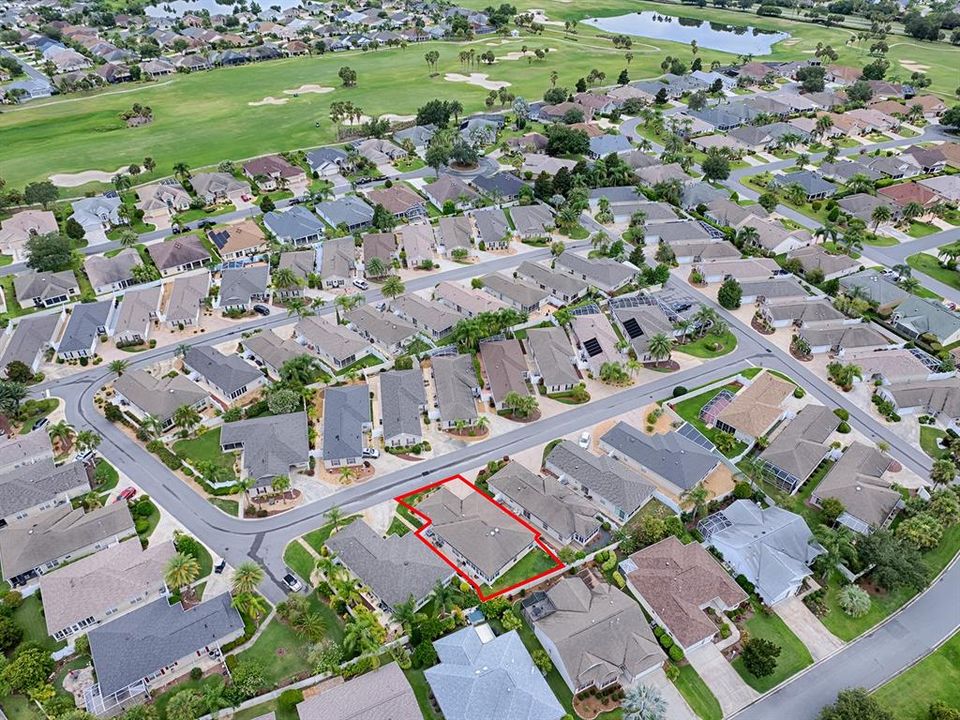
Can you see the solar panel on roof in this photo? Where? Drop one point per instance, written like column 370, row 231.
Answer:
column 592, row 347
column 633, row 328
column 691, row 433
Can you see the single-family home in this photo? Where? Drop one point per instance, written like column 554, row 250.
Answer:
column 756, row 408
column 432, row 318
column 30, row 339
column 455, row 235
column 501, row 186
column 467, row 301
column 229, row 375
column 457, row 389
column 327, row 161
column 939, row 398
column 139, row 309
column 348, row 212
column 346, row 416
column 493, row 230
column 450, row 188
column 402, row 402
column 876, row 288
column 814, row 259
column 596, row 339
column 97, row 215
column 843, row 338
column 857, row 480
column 45, row 289
column 270, row 446
column 399, row 200
column 532, row 221
column 524, row 297
column 30, row 481
column 241, row 287
column 604, row 274
column 109, row 274
column 416, row 242
column 778, row 289
column 161, row 201
column 87, row 323
column 814, row 186
column 244, row 239
column 181, row 254
column 272, row 172
column 337, row 345
column 270, row 351
column 384, row 329
column 295, row 225
column 382, row 693
column 798, row 449
column 918, row 317
column 158, row 397
column 563, row 287
column 23, row 225
column 553, row 359
column 187, row 296
column 505, row 368
column 218, row 188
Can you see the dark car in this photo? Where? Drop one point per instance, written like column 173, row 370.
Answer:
column 219, row 567
column 261, row 310
column 41, row 423
column 205, row 224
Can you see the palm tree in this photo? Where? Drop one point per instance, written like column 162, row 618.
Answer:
column 247, row 578
column 88, row 440
column 659, row 347
column 335, row 518
column 62, row 432
column 838, row 548
column 118, row 366
column 181, row 170
column 375, row 267
column 181, row 571
column 11, row 395
column 313, row 625
column 911, row 211
column 281, row 483
column 285, row 279
column 91, row 501
column 860, row 183
column 392, row 287
column 747, row 235
column 128, row 238
column 443, row 596
column 151, row 427
column 826, row 233
column 363, row 634
column 405, row 614
column 298, row 307
column 696, row 498
column 186, row 417
column 880, row 215
column 346, row 474
column 250, row 604
column 346, row 303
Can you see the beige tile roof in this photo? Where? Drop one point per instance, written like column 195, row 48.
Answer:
column 757, row 407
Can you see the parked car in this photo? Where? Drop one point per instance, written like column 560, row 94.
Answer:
column 85, row 457
column 42, row 422
column 261, row 310
column 585, row 439
column 219, row 567
column 362, row 284
column 126, row 494
column 371, row 452
column 291, row 581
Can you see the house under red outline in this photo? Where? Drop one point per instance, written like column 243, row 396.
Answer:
column 401, row 499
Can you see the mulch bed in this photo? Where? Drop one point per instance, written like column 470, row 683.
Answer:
column 465, row 433
column 532, row 417
column 760, row 328
column 801, row 358
column 589, row 707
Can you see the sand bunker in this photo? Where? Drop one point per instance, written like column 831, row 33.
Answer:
column 913, row 66
column 358, row 121
column 269, row 100
column 517, row 55
column 318, row 89
column 478, row 79
column 87, row 176
column 391, row 117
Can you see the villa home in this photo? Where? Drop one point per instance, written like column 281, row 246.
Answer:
column 87, row 324
column 457, row 391
column 181, row 254
column 30, row 339
column 553, row 357
column 295, row 225
column 144, row 395
column 450, row 188
column 272, row 172
column 857, row 480
column 187, row 296
column 270, row 446
column 399, row 200
column 161, row 201
column 505, row 368
column 229, row 375
column 417, row 244
column 402, row 402
column 45, row 289
column 346, row 416
column 337, row 345
column 108, row 274
column 245, row 239
column 455, row 234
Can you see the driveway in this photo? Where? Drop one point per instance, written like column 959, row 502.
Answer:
column 677, row 708
column 806, row 626
column 729, row 688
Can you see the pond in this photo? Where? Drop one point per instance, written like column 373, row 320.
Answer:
column 178, row 8
column 736, row 39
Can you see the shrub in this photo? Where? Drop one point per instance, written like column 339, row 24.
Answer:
column 679, row 390
column 841, row 413
column 854, row 601
column 843, row 427
column 618, row 579
column 196, row 673
column 675, row 653
column 113, row 413
column 799, row 392
column 424, row 655
column 289, row 699
column 742, row 491
column 666, row 642
column 672, row 672
column 748, row 587
column 760, row 656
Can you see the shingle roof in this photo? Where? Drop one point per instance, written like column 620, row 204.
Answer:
column 938, row 397
column 561, row 283
column 272, row 349
column 349, row 210
column 158, row 396
column 239, row 285
column 505, row 366
column 272, row 444
column 798, row 448
column 383, row 694
column 433, row 316
column 603, row 272
column 754, row 409
column 226, row 372
column 36, row 483
column 138, row 308
column 672, row 456
column 141, row 642
column 531, row 219
column 455, row 380
column 923, row 316
column 336, row 341
column 84, row 325
column 857, row 481
column 602, row 475
column 551, row 350
column 401, row 397
column 515, row 290
column 492, row 224
column 383, row 327
column 345, row 410
column 31, row 334
column 185, row 297
column 395, row 568
column 179, row 251
column 103, row 271
column 43, row 285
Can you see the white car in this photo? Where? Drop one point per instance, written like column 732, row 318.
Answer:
column 361, row 284
column 585, row 439
column 370, row 452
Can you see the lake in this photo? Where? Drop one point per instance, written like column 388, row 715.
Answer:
column 736, row 39
column 178, row 8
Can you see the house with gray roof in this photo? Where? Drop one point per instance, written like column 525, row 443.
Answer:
column 450, row 188
column 640, row 323
column 616, row 488
column 229, row 375
column 383, row 247
column 545, row 503
column 862, row 206
column 779, row 288
column 432, row 318
column 506, row 369
column 457, row 390
column 45, row 289
column 602, row 273
column 158, row 397
column 270, row 446
column 799, row 448
column 553, row 357
column 493, row 230
column 857, row 480
column 21, row 450
column 98, row 214
column 41, row 542
column 103, row 587
column 180, row 254
column 940, row 398
column 349, row 211
column 563, row 287
column 346, row 415
column 482, row 676
column 402, row 401
column 455, row 233
column 108, row 274
column 813, row 312
column 522, row 296
column 840, row 339
column 337, row 345
column 294, row 225
column 29, row 487
column 88, row 321
column 814, row 186
column 501, row 186
column 138, row 311
column 727, row 212
column 700, row 193
column 303, row 264
column 670, row 460
column 473, row 532
column 814, row 258
column 30, row 338
column 187, row 296
column 772, row 547
column 395, row 568
column 337, row 262
column 419, row 135
column 154, row 645
column 596, row 635
column 845, row 170
column 384, row 329
column 875, row 288
column 270, row 351
column 678, row 232
column 532, row 221
column 327, row 160
column 918, row 317
column 218, row 187
column 603, row 145
column 383, row 694
column 241, row 287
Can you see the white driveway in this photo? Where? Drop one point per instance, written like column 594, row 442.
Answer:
column 806, row 626
column 677, row 708
column 729, row 688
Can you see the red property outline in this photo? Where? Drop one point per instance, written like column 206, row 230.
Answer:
column 427, row 522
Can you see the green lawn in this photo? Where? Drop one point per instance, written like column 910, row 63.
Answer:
column 299, row 559
column 364, row 362
column 794, row 656
column 29, row 617
column 928, row 265
column 533, row 563
column 316, row 538
column 697, row 694
column 161, row 701
column 398, row 527
column 879, row 240
column 33, row 410
column 230, row 507
column 111, row 475
column 204, row 448
column 919, row 229
column 690, row 408
column 702, row 347
column 421, row 689
column 200, row 213
column 928, row 441
column 936, row 677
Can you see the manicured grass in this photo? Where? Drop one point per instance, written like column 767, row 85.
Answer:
column 928, row 441
column 919, row 229
column 29, row 617
column 110, row 473
column 690, row 408
column 398, row 527
column 33, row 410
column 161, row 701
column 316, row 538
column 879, row 240
column 794, row 656
column 6, row 260
column 203, row 449
column 152, row 521
column 533, row 563
column 10, row 296
column 928, row 265
column 421, row 689
column 299, row 559
column 697, row 694
column 702, row 347
column 230, row 507
column 936, row 677
column 201, row 213
column 270, row 706
column 364, row 362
